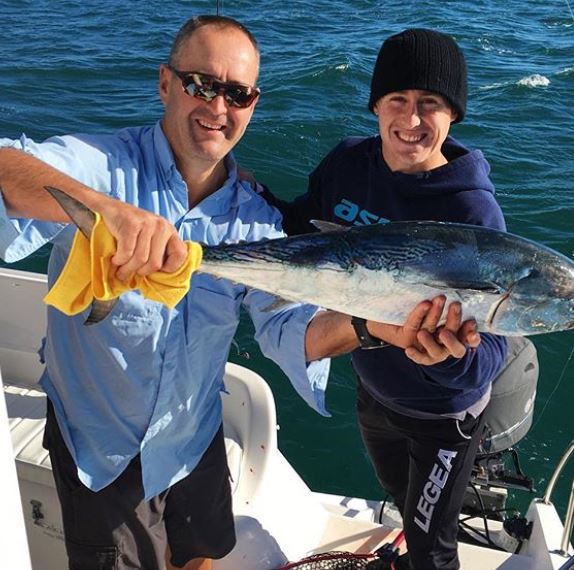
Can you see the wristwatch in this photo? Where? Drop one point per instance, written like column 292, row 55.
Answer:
column 366, row 340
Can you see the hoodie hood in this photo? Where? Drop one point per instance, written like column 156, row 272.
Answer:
column 466, row 170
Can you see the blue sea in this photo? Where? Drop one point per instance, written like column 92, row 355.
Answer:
column 77, row 66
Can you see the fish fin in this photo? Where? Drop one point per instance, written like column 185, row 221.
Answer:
column 277, row 304
column 81, row 215
column 482, row 286
column 85, row 220
column 100, row 310
column 324, row 226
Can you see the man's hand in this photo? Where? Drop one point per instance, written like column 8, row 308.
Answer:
column 146, row 242
column 452, row 339
column 423, row 340
column 246, row 176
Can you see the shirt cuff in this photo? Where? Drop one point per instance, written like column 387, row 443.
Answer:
column 8, row 233
column 308, row 378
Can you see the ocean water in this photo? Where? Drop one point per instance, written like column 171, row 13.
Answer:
column 72, row 66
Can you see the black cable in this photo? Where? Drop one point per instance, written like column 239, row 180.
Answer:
column 486, row 540
column 383, row 508
column 483, row 512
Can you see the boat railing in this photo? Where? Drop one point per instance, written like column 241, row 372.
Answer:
column 568, row 521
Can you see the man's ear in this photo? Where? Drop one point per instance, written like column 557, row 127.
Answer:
column 453, row 114
column 164, row 78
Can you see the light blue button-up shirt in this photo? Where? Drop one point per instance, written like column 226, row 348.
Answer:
column 147, row 379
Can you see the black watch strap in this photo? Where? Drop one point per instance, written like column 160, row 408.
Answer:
column 366, row 340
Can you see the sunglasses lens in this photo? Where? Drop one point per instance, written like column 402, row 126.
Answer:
column 207, row 88
column 240, row 96
column 197, row 86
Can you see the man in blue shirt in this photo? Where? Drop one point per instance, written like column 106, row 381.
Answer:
column 134, row 420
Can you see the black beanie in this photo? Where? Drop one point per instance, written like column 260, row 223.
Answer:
column 421, row 59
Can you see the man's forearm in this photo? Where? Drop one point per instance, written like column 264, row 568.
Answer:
column 22, row 181
column 332, row 334
column 146, row 242
column 329, row 334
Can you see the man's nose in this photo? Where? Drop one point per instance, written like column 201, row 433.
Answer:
column 218, row 104
column 413, row 114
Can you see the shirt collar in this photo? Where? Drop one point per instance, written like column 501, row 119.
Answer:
column 233, row 192
column 163, row 151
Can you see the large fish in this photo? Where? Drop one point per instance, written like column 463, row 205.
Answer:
column 510, row 285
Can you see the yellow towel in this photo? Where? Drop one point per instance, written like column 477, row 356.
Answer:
column 87, row 275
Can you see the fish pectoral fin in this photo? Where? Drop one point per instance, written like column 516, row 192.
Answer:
column 482, row 286
column 277, row 304
column 324, row 226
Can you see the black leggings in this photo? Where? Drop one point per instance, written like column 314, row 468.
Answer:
column 425, row 465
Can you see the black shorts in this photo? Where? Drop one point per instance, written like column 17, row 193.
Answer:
column 115, row 529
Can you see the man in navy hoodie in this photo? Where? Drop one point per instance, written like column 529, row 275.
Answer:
column 421, row 423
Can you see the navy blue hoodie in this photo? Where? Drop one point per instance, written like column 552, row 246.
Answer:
column 354, row 186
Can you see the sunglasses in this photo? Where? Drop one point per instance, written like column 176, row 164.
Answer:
column 207, row 88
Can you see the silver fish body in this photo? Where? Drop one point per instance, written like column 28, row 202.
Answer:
column 510, row 285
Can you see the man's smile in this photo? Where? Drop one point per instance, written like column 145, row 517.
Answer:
column 410, row 138
column 209, row 125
